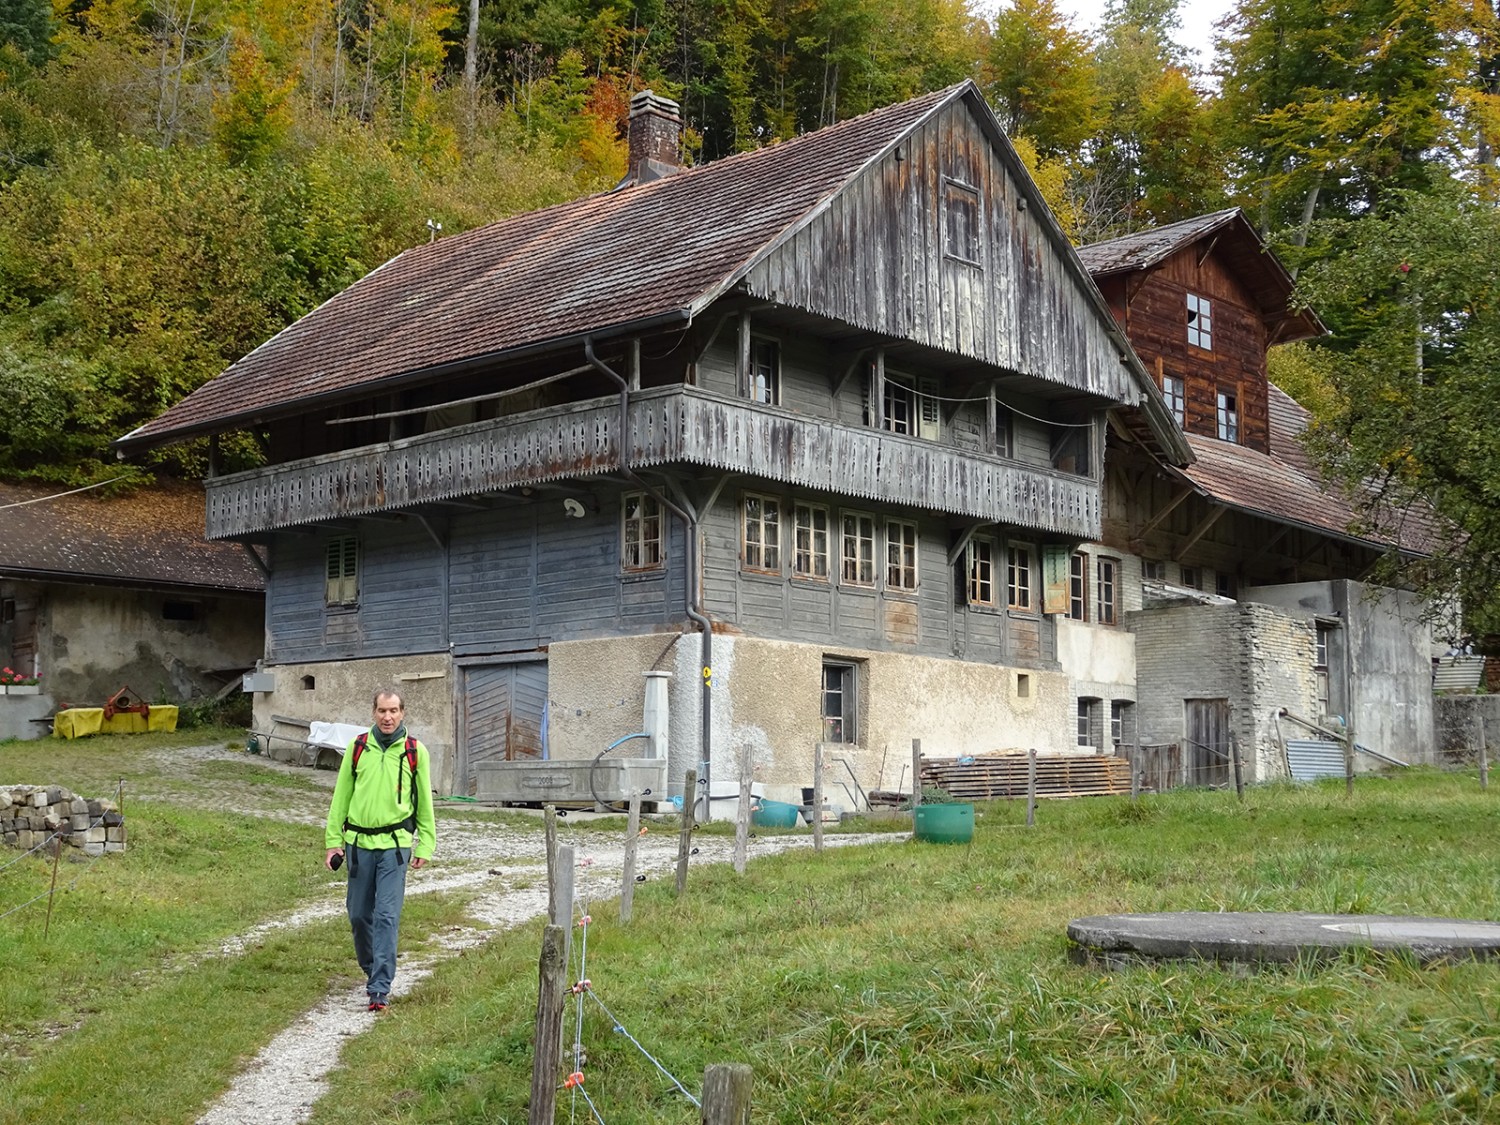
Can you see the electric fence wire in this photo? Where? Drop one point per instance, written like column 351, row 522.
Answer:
column 582, row 979
column 620, row 1027
column 74, row 882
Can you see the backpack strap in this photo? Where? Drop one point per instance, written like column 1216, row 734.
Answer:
column 361, row 741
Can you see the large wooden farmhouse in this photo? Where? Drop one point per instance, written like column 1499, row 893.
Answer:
column 815, row 429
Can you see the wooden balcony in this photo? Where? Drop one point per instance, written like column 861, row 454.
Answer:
column 670, row 425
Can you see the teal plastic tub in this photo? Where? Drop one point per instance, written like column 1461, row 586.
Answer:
column 774, row 814
column 944, row 824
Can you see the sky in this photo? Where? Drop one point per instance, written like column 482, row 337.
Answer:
column 1196, row 34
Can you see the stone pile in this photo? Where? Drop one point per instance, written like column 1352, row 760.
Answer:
column 31, row 814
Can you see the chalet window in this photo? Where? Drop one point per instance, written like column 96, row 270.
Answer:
column 1200, row 322
column 762, row 534
column 838, row 702
column 1078, row 585
column 961, row 221
column 1070, row 449
column 810, row 551
column 640, row 539
column 1018, row 577
column 1109, row 588
column 981, row 572
column 1192, row 577
column 1153, row 570
column 857, row 550
column 912, row 406
column 1005, row 442
column 342, row 571
column 765, row 371
column 1229, row 416
column 1119, row 714
column 1085, row 721
column 900, row 555
column 1224, row 585
column 1175, row 392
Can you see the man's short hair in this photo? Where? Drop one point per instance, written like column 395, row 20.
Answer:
column 381, row 693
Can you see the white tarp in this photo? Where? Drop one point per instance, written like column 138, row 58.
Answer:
column 337, row 735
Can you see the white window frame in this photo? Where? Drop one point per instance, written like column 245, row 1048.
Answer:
column 1174, row 390
column 841, row 723
column 1227, row 406
column 810, row 542
column 1078, row 586
column 641, row 547
column 1117, row 708
column 1020, row 575
column 760, row 533
column 1107, row 599
column 1084, row 727
column 1200, row 322
column 901, row 553
column 857, row 549
column 981, row 573
column 341, row 572
column 764, row 376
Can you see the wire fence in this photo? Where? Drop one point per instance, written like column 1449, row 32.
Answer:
column 55, row 840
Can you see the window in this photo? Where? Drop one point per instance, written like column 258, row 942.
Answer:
column 1229, row 417
column 1153, row 570
column 309, row 683
column 810, row 551
column 1005, row 444
column 838, row 702
column 762, row 534
column 1320, row 673
column 981, row 572
column 900, row 555
column 1173, row 390
column 1224, row 584
column 857, row 550
column 1078, row 585
column 912, row 407
column 343, row 571
column 1192, row 577
column 900, row 408
column 179, row 611
column 1119, row 714
column 1200, row 322
column 640, row 543
column 7, row 611
column 1018, row 577
column 1023, row 685
column 1085, row 722
column 961, row 221
column 765, row 371
column 1109, row 581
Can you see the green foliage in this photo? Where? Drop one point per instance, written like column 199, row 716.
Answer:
column 1041, row 78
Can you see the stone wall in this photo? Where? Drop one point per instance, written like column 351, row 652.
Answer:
column 31, row 814
column 1458, row 719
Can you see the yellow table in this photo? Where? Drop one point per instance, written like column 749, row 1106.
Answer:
column 79, row 722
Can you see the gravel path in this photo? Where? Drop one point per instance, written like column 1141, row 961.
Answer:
column 502, row 866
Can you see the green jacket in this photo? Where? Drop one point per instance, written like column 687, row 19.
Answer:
column 369, row 799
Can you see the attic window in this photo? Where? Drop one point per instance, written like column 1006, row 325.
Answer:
column 961, row 221
column 1200, row 322
column 342, row 587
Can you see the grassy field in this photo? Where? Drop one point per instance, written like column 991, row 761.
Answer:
column 889, row 982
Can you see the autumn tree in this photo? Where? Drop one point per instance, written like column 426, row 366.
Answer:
column 1040, row 77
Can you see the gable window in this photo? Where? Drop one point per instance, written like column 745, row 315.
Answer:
column 762, row 534
column 342, row 587
column 1078, row 585
column 765, row 371
column 1018, row 577
column 838, row 702
column 900, row 555
column 640, row 539
column 1200, row 322
column 981, row 572
column 857, row 550
column 1109, row 585
column 961, row 221
column 810, row 551
column 1229, row 416
column 1175, row 392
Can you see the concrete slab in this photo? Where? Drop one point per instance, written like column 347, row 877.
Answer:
column 1258, row 938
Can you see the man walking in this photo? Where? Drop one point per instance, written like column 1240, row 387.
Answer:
column 380, row 818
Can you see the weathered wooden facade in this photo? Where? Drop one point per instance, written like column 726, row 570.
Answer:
column 802, row 427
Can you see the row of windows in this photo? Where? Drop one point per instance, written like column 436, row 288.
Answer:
column 1091, row 717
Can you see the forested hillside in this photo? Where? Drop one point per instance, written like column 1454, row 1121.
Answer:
column 179, row 179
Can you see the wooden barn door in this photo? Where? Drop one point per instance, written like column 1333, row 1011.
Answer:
column 502, row 714
column 1207, row 750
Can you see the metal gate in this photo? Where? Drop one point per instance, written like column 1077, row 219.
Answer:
column 503, row 705
column 1207, row 749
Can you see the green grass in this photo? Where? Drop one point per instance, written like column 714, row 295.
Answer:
column 895, row 982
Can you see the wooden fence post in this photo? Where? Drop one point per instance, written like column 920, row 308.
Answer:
column 916, row 772
column 567, row 871
column 1234, row 754
column 742, row 813
column 632, row 839
column 1349, row 760
column 547, row 1049
column 726, row 1094
column 549, row 836
column 685, row 834
column 1484, row 757
column 1031, row 787
column 817, row 801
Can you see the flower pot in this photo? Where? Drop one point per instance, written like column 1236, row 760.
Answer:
column 944, row 824
column 23, row 689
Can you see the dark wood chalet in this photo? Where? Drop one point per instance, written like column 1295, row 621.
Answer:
column 829, row 406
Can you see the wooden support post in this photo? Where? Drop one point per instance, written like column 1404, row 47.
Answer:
column 916, row 772
column 1484, row 757
column 1135, row 767
column 1239, row 777
column 547, row 1048
column 549, row 836
column 1031, row 787
column 567, row 870
column 1349, row 759
column 685, row 834
column 632, row 838
column 742, row 814
column 726, row 1094
column 817, row 801
column 57, row 847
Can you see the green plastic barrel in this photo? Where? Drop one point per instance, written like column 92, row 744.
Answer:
column 774, row 814
column 944, row 824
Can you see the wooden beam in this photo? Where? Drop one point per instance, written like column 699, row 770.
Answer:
column 1155, row 521
column 877, row 390
column 838, row 384
column 1199, row 532
column 957, row 551
column 1267, row 547
column 742, row 376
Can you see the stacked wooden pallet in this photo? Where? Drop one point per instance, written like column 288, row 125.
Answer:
column 989, row 777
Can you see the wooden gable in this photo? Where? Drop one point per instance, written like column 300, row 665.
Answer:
column 943, row 240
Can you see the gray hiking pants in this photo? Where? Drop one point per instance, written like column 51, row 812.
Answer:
column 377, row 886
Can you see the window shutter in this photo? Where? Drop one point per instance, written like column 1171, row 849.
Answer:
column 929, row 409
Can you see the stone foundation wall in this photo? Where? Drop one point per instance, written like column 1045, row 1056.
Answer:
column 32, row 814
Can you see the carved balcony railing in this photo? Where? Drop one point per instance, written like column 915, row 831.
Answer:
column 667, row 425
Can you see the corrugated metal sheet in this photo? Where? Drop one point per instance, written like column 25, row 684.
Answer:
column 1311, row 759
column 1458, row 673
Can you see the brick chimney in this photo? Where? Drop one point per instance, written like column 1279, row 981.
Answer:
column 655, row 138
